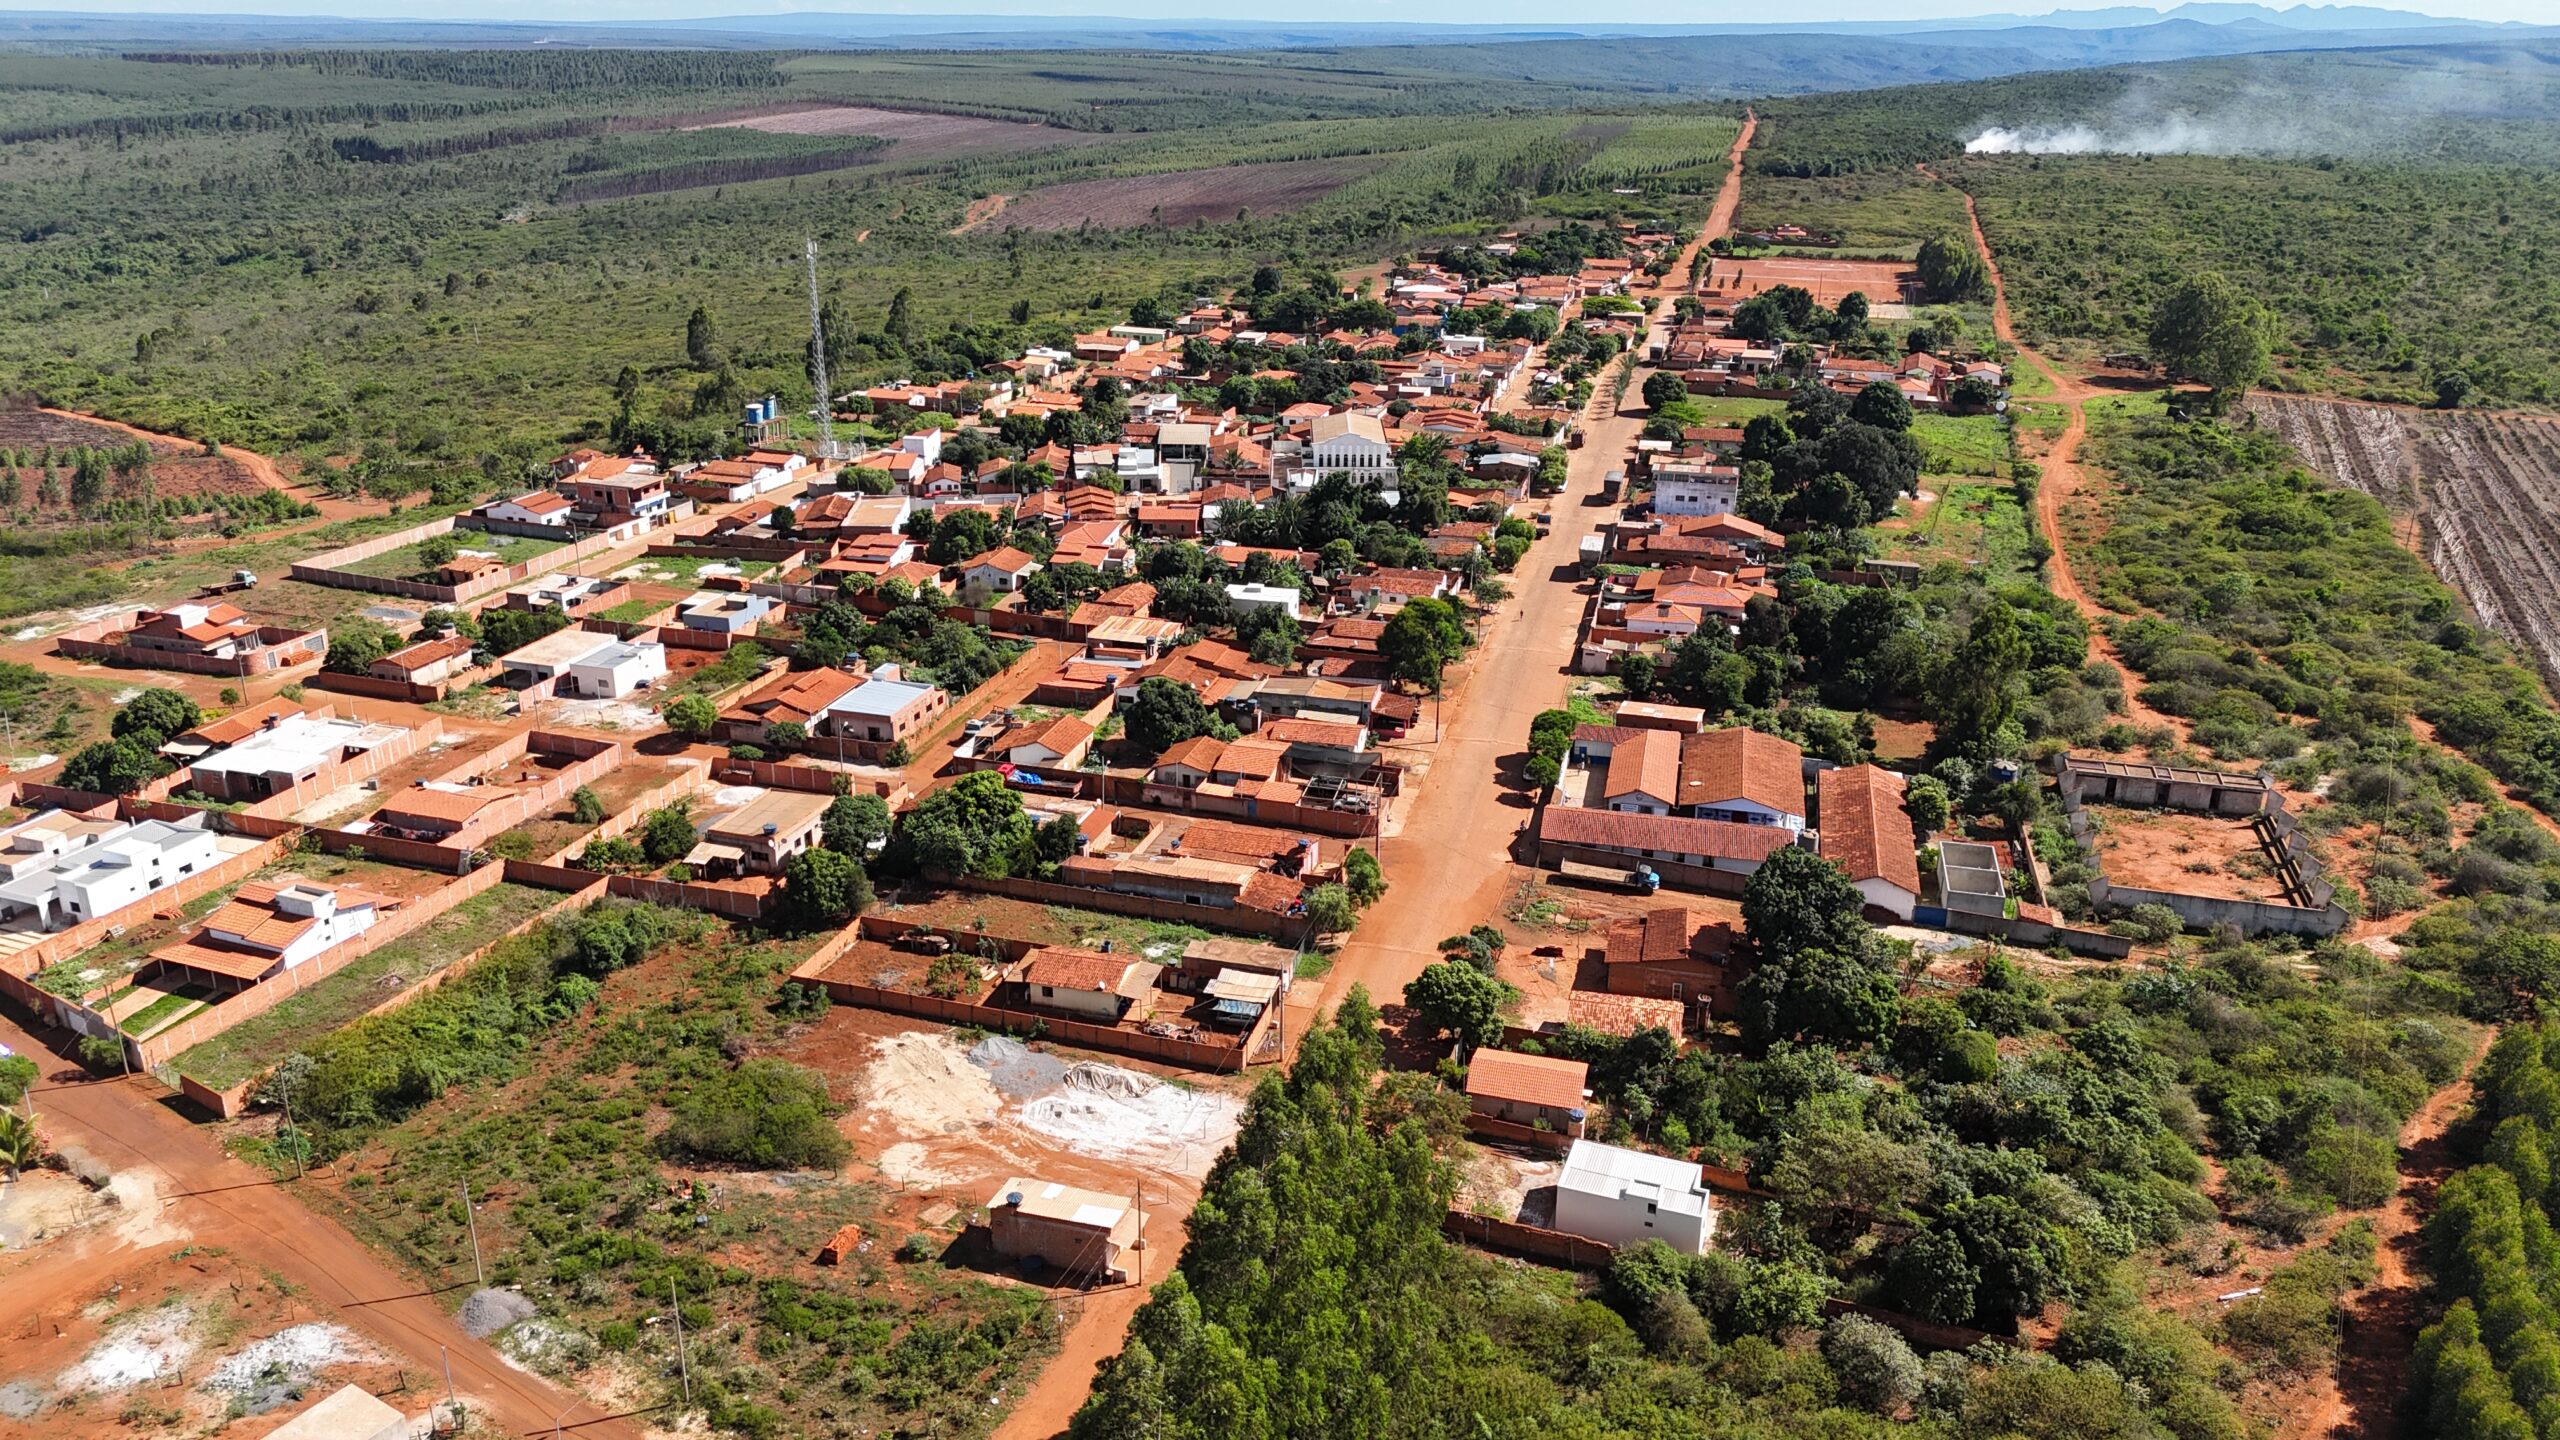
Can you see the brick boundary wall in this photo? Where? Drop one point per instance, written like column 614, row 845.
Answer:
column 282, row 648
column 1240, row 920
column 324, row 569
column 224, row 1104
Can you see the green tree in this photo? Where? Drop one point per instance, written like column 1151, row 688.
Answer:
column 438, row 550
column 356, row 642
column 1360, row 873
column 585, row 806
column 1874, row 1366
column 854, row 823
column 1424, row 636
column 1662, row 387
column 19, row 1148
column 1951, row 270
column 112, row 767
column 1883, row 405
column 824, row 887
column 668, row 833
column 18, row 1075
column 973, row 826
column 690, row 716
column 1799, row 901
column 1458, row 1000
column 1331, row 910
column 1981, row 684
column 2211, row 330
column 1164, row 713
column 701, row 340
column 155, row 717
column 1926, row 801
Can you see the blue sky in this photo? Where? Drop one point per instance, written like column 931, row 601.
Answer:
column 1482, row 11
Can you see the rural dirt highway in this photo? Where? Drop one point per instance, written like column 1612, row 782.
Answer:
column 208, row 1198
column 1451, row 866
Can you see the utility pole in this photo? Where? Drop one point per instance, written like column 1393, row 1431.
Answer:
column 818, row 361
column 297, row 1133
column 684, row 1367
column 450, row 1399
column 478, row 1275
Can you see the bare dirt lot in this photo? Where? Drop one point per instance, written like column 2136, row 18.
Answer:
column 2190, row 854
column 1177, row 197
column 1882, row 281
column 916, row 136
column 176, row 470
column 2483, row 489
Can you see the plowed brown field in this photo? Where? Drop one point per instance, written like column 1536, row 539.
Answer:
column 2484, row 490
column 1177, row 197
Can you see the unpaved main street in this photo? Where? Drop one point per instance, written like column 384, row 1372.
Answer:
column 1451, row 867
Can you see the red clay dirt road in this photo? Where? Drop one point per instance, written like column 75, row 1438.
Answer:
column 2358, row 1401
column 2063, row 475
column 1451, row 866
column 129, row 1124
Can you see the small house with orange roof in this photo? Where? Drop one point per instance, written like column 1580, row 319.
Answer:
column 266, row 929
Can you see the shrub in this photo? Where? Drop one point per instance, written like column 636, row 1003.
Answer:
column 585, row 806
column 765, row 1115
column 1874, row 1366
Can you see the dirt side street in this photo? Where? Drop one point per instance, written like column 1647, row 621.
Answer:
column 208, row 1199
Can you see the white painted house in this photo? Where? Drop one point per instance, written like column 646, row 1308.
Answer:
column 1626, row 1197
column 63, row 870
column 614, row 671
column 1686, row 488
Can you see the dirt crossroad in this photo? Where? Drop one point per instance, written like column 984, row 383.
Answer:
column 212, row 1199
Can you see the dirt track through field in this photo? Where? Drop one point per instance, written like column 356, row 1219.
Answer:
column 2063, row 477
column 2360, row 1398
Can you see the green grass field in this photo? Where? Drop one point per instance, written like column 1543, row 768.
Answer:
column 364, row 983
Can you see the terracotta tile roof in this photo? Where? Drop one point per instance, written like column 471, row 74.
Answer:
column 1540, row 1080
column 1266, row 891
column 1742, row 764
column 439, row 807
column 1865, row 830
column 1006, row 559
column 798, row 697
column 428, row 652
column 1200, row 752
column 1645, row 763
column 1657, row 937
column 1060, row 734
column 1624, row 1015
column 252, row 915
column 1255, row 757
column 1226, row 840
column 1668, row 834
column 1087, row 970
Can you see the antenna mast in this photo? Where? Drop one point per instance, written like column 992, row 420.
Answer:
column 818, row 362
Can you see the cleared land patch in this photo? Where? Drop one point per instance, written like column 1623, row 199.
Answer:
column 2484, row 490
column 1178, row 197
